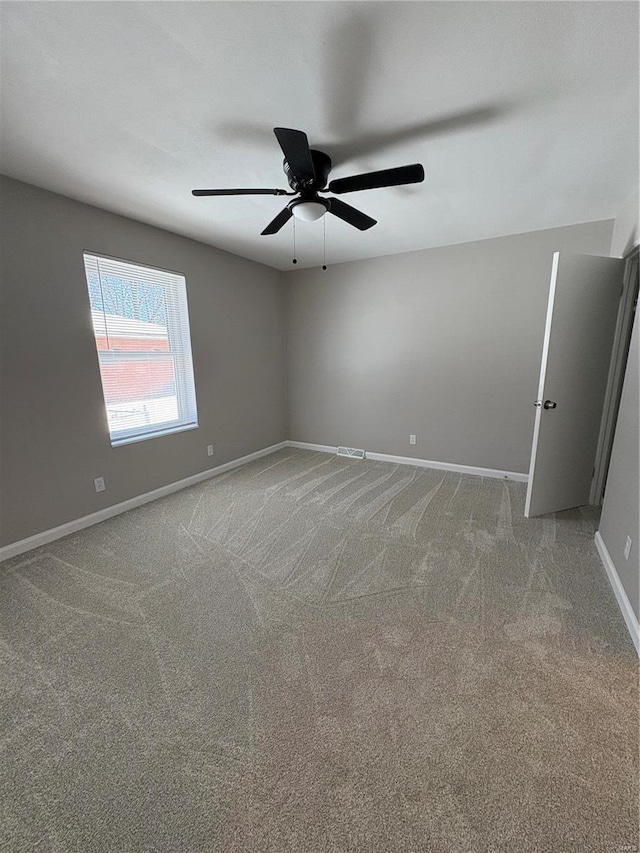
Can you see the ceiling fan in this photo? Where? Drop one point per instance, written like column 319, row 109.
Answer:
column 307, row 171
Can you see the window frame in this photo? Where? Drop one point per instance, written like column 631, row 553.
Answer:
column 180, row 351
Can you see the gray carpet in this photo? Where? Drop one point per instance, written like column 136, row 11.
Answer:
column 315, row 654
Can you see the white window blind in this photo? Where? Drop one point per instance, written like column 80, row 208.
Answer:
column 141, row 327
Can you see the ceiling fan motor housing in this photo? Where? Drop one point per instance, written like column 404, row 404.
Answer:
column 321, row 166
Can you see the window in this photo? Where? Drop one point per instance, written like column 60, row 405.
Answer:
column 141, row 326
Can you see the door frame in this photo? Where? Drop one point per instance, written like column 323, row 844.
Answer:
column 619, row 355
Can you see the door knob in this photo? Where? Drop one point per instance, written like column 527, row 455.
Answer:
column 549, row 404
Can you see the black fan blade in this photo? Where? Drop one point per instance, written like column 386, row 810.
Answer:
column 295, row 147
column 240, row 192
column 385, row 178
column 349, row 214
column 276, row 224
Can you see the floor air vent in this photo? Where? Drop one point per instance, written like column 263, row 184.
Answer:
column 351, row 452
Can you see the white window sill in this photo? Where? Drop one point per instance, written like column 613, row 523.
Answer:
column 131, row 439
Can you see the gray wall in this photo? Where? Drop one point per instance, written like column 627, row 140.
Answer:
column 621, row 506
column 54, row 437
column 444, row 343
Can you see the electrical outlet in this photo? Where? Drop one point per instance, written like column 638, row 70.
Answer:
column 209, row 449
column 99, row 484
column 412, row 439
column 627, row 548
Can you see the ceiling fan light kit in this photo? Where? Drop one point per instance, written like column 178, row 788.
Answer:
column 307, row 171
column 309, row 211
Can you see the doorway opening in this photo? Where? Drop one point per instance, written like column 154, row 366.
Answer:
column 619, row 358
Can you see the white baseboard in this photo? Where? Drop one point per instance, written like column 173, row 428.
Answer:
column 304, row 445
column 54, row 533
column 450, row 466
column 422, row 463
column 622, row 598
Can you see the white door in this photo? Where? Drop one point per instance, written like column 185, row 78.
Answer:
column 578, row 340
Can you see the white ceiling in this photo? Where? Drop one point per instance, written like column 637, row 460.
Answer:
column 524, row 115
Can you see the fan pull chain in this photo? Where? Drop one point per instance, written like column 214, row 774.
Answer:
column 324, row 242
column 295, row 260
